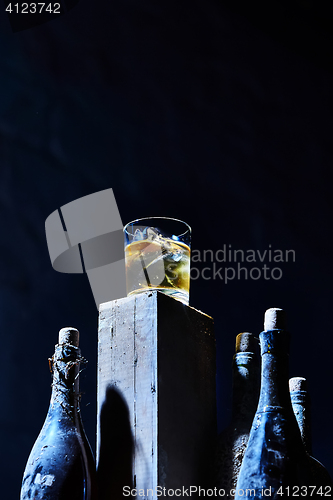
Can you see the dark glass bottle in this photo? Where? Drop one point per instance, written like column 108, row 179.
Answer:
column 275, row 463
column 301, row 405
column 61, row 464
column 232, row 441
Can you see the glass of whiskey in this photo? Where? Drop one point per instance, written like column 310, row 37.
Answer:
column 157, row 256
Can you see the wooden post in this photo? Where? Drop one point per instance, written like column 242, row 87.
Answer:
column 156, row 396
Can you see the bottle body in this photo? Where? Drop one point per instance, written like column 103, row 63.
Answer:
column 232, row 441
column 300, row 402
column 275, row 459
column 61, row 465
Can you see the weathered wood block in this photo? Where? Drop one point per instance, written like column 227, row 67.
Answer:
column 156, row 395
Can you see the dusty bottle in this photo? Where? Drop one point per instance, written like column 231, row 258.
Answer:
column 61, row 464
column 232, row 441
column 300, row 402
column 275, row 463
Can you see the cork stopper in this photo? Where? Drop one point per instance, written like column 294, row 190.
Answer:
column 69, row 335
column 298, row 384
column 245, row 342
column 275, row 319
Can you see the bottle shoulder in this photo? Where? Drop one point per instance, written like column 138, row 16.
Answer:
column 320, row 473
column 275, row 455
column 61, row 431
column 60, row 456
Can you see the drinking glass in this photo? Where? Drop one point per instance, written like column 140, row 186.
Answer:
column 157, row 256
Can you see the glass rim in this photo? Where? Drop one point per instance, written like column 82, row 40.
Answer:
column 160, row 218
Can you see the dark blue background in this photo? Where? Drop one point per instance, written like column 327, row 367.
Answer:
column 212, row 112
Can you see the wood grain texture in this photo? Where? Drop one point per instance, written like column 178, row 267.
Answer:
column 159, row 357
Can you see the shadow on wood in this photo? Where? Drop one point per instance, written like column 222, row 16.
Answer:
column 160, row 354
column 116, row 450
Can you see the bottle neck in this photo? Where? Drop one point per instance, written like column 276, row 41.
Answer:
column 301, row 406
column 245, row 386
column 274, row 392
column 65, row 387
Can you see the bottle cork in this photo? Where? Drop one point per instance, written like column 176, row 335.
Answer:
column 245, row 342
column 69, row 335
column 298, row 384
column 275, row 319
